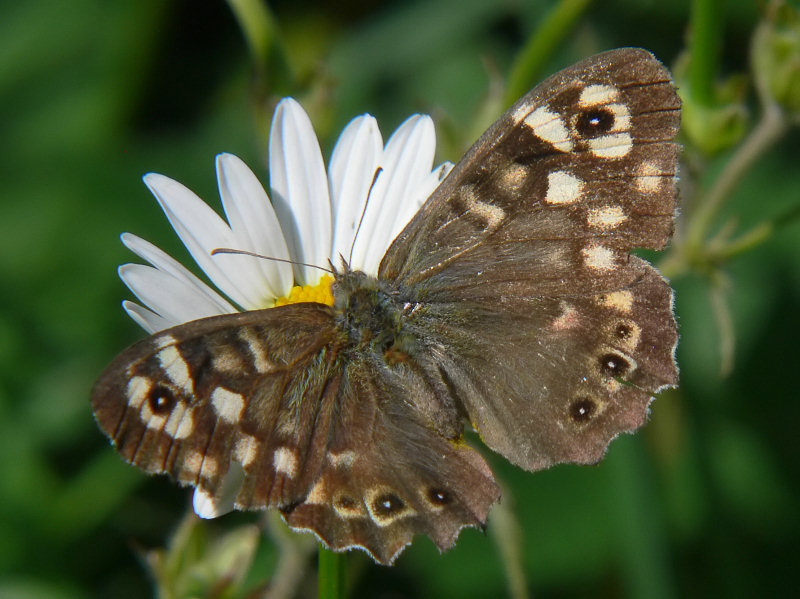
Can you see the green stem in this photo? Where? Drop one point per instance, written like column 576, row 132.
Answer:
column 704, row 44
column 294, row 553
column 553, row 28
column 271, row 68
column 507, row 535
column 746, row 242
column 768, row 130
column 258, row 28
column 330, row 579
column 691, row 251
column 720, row 291
column 640, row 521
column 757, row 235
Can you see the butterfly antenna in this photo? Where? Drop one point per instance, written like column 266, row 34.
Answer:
column 216, row 251
column 378, row 171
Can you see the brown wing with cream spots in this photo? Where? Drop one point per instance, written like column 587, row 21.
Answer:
column 226, row 400
column 555, row 194
column 547, row 380
column 389, row 475
column 510, row 297
column 260, row 410
column 511, row 262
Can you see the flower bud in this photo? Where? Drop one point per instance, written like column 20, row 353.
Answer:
column 712, row 126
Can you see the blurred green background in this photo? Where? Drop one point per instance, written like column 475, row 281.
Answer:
column 702, row 502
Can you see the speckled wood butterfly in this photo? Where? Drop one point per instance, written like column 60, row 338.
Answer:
column 509, row 301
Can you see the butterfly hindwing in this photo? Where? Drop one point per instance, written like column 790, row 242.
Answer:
column 550, row 380
column 388, row 476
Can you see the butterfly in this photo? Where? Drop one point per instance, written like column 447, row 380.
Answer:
column 510, row 304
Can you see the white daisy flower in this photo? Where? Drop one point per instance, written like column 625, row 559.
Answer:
column 314, row 218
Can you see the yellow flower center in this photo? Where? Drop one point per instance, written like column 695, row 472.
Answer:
column 320, row 293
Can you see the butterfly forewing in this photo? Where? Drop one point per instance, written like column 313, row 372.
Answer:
column 193, row 399
column 588, row 155
column 509, row 299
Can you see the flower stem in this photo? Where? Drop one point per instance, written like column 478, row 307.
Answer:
column 720, row 292
column 692, row 251
column 508, row 537
column 705, row 42
column 258, row 28
column 330, row 579
column 272, row 70
column 768, row 130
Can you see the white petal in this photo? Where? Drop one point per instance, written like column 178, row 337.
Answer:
column 173, row 299
column 417, row 198
column 202, row 230
column 147, row 319
column 207, row 506
column 351, row 172
column 166, row 263
column 204, row 505
column 411, row 158
column 253, row 222
column 300, row 189
column 407, row 160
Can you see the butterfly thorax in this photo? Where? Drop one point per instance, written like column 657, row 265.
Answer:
column 370, row 314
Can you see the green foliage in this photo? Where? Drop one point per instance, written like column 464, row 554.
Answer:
column 776, row 56
column 701, row 503
column 195, row 566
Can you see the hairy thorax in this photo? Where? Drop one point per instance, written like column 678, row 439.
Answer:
column 373, row 316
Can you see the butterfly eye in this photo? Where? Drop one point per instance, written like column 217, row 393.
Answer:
column 626, row 335
column 613, row 365
column 581, row 410
column 594, row 122
column 160, row 399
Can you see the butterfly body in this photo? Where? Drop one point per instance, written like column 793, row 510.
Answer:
column 368, row 311
column 509, row 302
